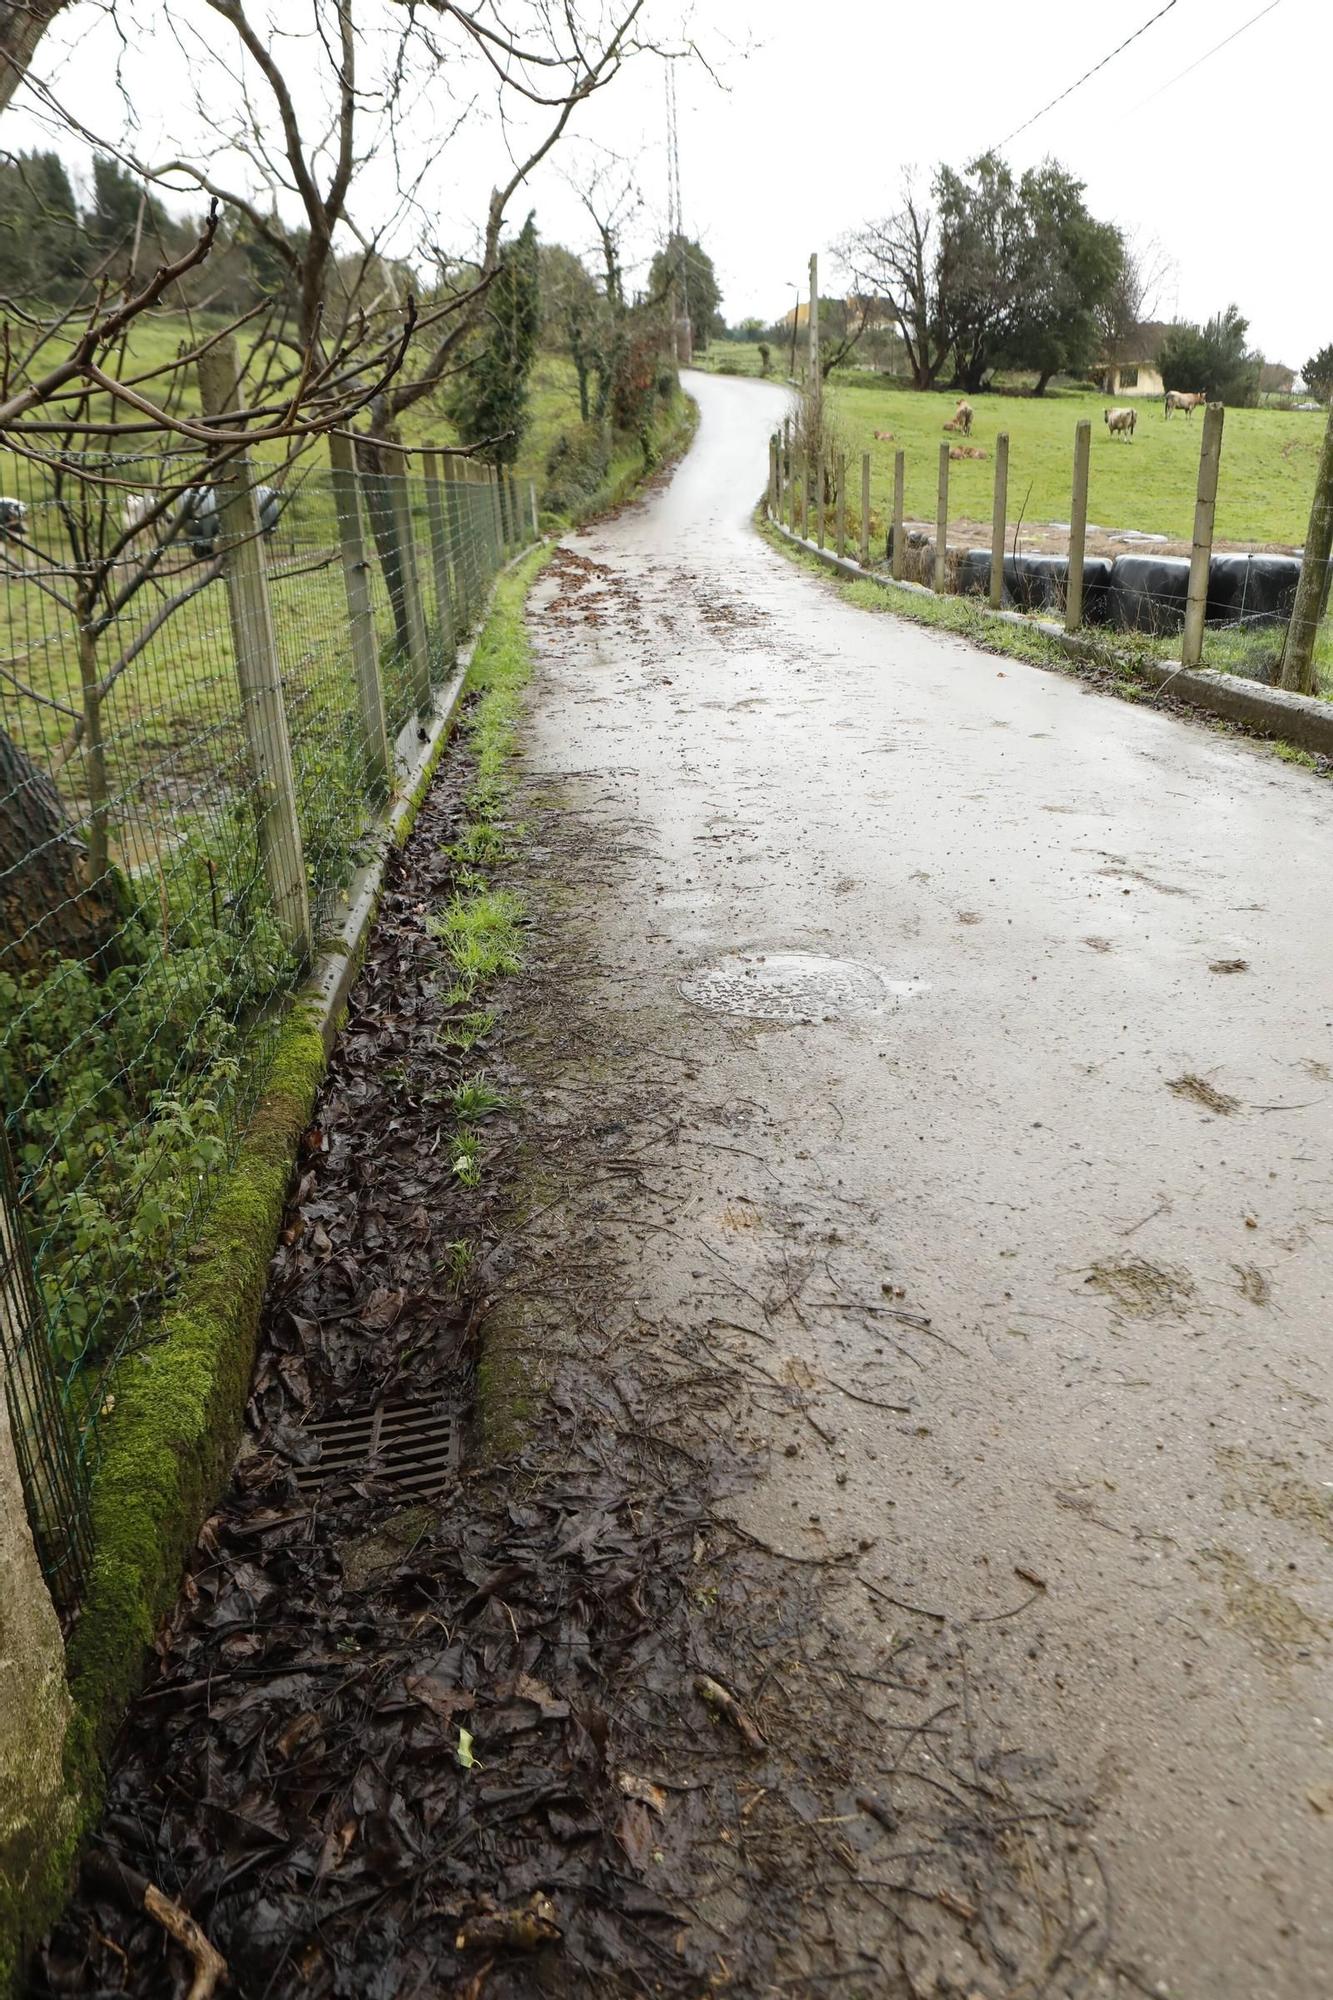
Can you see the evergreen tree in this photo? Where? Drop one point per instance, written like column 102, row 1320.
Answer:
column 489, row 398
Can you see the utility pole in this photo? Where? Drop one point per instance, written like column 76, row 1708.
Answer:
column 1298, row 652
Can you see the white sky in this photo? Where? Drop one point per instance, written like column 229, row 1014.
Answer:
column 820, row 107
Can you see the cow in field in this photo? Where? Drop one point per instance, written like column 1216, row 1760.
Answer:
column 1120, row 423
column 13, row 514
column 1183, row 399
column 962, row 418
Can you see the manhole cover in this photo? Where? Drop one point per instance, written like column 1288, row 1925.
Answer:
column 412, row 1445
column 790, row 986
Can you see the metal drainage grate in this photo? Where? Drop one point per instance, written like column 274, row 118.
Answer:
column 412, row 1445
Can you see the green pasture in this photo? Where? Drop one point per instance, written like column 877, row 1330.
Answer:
column 1148, row 483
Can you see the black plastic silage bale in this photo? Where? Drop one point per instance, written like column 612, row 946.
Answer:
column 1148, row 593
column 1252, row 589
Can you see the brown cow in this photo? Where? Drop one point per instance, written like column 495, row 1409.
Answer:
column 1183, row 399
column 962, row 418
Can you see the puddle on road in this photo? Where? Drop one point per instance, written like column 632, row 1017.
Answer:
column 793, row 986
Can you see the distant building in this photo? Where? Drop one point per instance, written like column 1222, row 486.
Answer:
column 1133, row 370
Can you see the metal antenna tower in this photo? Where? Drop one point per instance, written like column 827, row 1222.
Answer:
column 675, row 216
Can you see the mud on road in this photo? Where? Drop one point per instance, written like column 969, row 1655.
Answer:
column 891, row 1549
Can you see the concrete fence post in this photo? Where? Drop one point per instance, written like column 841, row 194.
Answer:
column 865, row 510
column 439, row 553
column 360, row 616
column 1312, row 587
column 1205, row 507
column 771, row 505
column 942, row 523
column 840, row 513
column 1078, row 526
column 263, row 710
column 999, row 508
column 418, row 643
column 896, row 538
column 536, row 517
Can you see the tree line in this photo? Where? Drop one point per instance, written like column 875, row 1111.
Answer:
column 978, row 269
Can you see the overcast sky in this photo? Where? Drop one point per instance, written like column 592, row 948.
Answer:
column 819, row 108
column 1229, row 168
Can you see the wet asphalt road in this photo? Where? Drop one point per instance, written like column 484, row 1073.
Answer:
column 1004, row 1083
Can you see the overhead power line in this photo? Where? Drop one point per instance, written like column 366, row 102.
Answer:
column 1081, row 80
column 1201, row 60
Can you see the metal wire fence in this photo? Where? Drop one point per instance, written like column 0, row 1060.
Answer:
column 143, row 933
column 1137, row 585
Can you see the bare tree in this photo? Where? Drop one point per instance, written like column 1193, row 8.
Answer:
column 1144, row 271
column 902, row 261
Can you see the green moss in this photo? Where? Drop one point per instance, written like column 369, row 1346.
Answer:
column 168, row 1444
column 177, row 1404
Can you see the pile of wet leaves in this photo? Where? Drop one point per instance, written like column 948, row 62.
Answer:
column 396, row 1745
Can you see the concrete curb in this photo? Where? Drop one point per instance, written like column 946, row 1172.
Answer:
column 1299, row 719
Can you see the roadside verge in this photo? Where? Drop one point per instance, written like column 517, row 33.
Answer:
column 1300, row 721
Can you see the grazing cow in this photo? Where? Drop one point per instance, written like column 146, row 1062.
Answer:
column 203, row 522
column 1182, row 399
column 13, row 513
column 885, row 437
column 962, row 418
column 1120, row 423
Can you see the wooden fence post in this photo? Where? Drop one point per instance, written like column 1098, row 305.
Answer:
column 263, row 711
column 498, row 515
column 840, row 510
column 1078, row 526
column 896, row 537
column 418, row 643
column 942, row 523
column 789, row 498
column 1205, row 506
column 536, row 517
column 865, row 510
column 802, row 491
column 360, row 615
column 771, row 506
column 999, row 507
column 439, row 554
column 1312, row 587
column 819, row 496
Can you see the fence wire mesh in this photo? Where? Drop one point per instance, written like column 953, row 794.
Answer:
column 1134, row 584
column 140, row 948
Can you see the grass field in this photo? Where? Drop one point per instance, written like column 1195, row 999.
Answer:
column 1267, row 475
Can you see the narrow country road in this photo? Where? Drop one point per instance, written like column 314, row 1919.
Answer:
column 987, row 1027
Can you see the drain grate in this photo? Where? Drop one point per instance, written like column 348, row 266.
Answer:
column 410, row 1444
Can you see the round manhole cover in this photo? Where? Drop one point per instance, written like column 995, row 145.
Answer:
column 790, row 986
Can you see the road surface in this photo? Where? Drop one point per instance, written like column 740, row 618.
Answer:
column 999, row 1004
